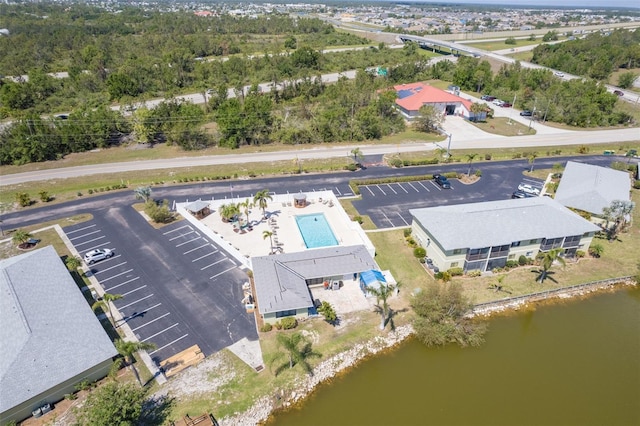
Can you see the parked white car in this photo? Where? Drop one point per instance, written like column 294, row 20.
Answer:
column 498, row 102
column 525, row 187
column 97, row 255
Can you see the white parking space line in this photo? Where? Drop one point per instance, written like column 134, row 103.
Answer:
column 84, row 235
column 394, row 191
column 150, row 322
column 223, row 272
column 187, row 242
column 405, row 222
column 214, row 263
column 381, row 190
column 105, row 270
column 134, row 290
column 133, row 303
column 121, row 284
column 385, row 216
column 168, row 344
column 206, row 255
column 116, row 276
column 197, row 248
column 436, row 186
column 160, row 332
column 90, row 241
column 177, row 229
column 422, row 185
column 98, row 246
column 406, row 192
column 411, row 185
column 181, row 235
column 79, row 229
column 370, row 191
column 339, row 193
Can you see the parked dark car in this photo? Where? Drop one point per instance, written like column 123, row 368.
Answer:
column 442, row 181
column 506, row 105
column 521, row 194
column 526, row 113
column 487, row 98
column 618, row 93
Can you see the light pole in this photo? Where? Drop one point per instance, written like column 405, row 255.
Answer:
column 449, row 147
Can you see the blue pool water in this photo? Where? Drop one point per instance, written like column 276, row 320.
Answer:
column 315, row 231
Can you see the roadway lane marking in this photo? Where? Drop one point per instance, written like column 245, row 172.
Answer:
column 386, row 217
column 177, row 229
column 394, row 191
column 181, row 235
column 381, row 190
column 416, row 189
column 422, row 185
column 339, row 193
column 133, row 303
column 223, row 272
column 369, row 189
column 202, row 257
column 105, row 270
column 187, row 242
column 197, row 248
column 405, row 222
column 168, row 344
column 405, row 191
column 134, row 290
column 150, row 322
column 214, row 263
column 90, row 241
column 160, row 332
column 84, row 235
column 98, row 246
column 115, row 276
column 121, row 284
column 80, row 229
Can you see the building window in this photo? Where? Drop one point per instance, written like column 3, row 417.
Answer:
column 457, row 251
column 529, row 254
column 533, row 241
column 515, row 244
column 512, row 256
column 288, row 313
column 454, row 265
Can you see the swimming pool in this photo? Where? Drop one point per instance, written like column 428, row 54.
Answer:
column 315, row 230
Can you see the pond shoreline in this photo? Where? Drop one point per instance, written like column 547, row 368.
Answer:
column 340, row 363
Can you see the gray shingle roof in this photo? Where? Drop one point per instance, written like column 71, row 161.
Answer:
column 49, row 333
column 196, row 206
column 591, row 188
column 495, row 223
column 280, row 279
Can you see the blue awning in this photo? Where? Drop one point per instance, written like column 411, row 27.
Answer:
column 372, row 278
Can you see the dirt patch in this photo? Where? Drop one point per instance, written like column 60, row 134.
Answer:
column 468, row 180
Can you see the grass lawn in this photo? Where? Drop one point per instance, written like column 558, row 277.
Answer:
column 504, row 126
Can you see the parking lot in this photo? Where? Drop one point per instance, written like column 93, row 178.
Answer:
column 178, row 288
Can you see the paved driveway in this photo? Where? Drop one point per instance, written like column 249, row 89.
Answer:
column 178, row 288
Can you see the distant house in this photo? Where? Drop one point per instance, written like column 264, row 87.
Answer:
column 50, row 339
column 282, row 281
column 484, row 236
column 591, row 188
column 412, row 97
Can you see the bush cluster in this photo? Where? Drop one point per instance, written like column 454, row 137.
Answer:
column 419, row 252
column 288, row 323
column 267, row 327
column 455, row 272
column 158, row 212
column 107, row 188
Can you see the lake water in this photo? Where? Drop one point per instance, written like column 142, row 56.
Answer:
column 571, row 363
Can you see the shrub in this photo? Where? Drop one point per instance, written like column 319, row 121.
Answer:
column 288, row 323
column 487, row 157
column 159, row 213
column 277, row 325
column 511, row 264
column 90, row 191
column 583, row 149
column 455, row 272
column 358, row 219
column 517, row 155
column 328, row 312
column 636, row 184
column 523, row 260
column 411, row 242
column 580, row 254
column 419, row 252
column 266, row 327
column 23, row 199
column 70, row 396
column 79, row 194
column 478, row 173
column 352, row 167
column 422, row 260
column 474, row 273
column 395, row 162
column 407, row 232
column 44, row 196
column 85, row 385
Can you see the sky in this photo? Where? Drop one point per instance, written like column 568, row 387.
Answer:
column 582, row 4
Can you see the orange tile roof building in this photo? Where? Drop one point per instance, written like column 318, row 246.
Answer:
column 413, row 96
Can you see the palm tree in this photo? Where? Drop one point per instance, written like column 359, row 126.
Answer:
column 268, row 234
column 470, row 158
column 143, row 193
column 261, row 199
column 127, row 349
column 532, row 159
column 499, row 286
column 229, row 211
column 596, row 250
column 73, row 262
column 105, row 302
column 547, row 262
column 296, row 354
column 382, row 293
column 246, row 206
column 357, row 155
column 20, row 236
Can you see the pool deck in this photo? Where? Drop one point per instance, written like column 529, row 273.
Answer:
column 280, row 220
